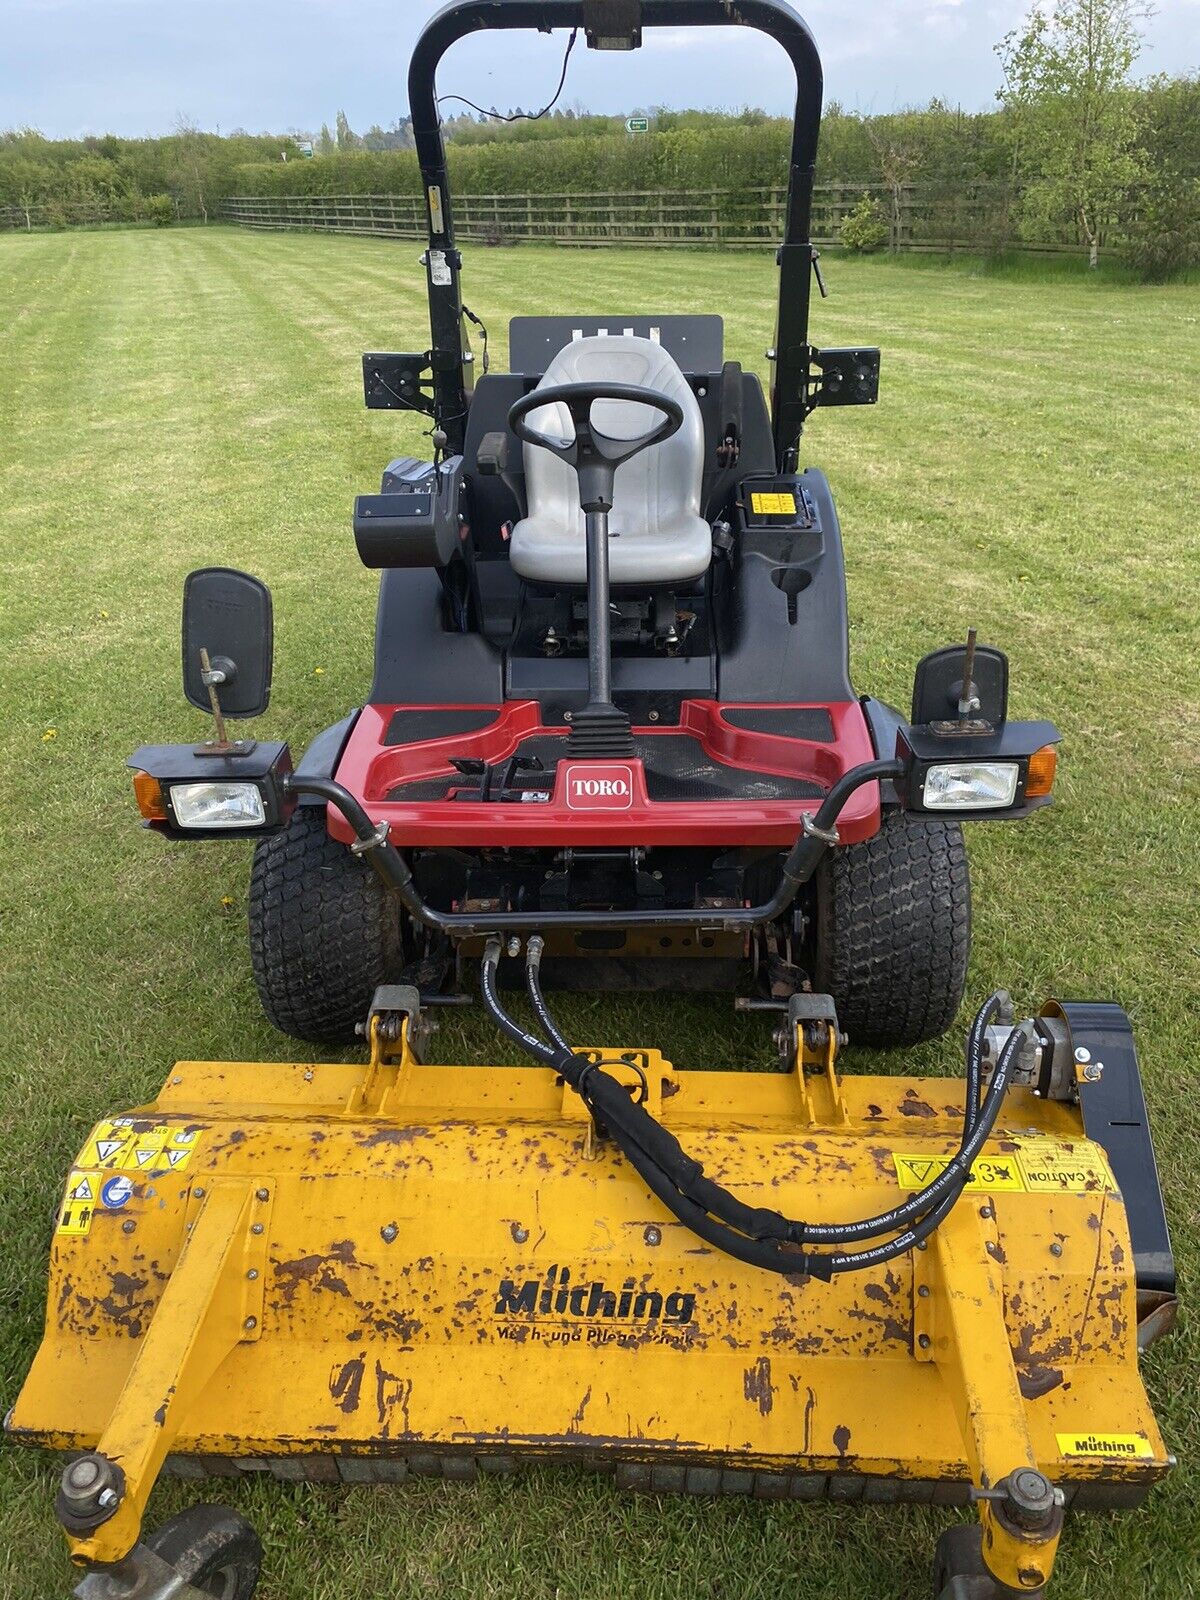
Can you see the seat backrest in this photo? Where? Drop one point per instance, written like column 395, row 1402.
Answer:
column 656, row 496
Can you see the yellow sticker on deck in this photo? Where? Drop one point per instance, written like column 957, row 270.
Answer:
column 79, row 1203
column 773, row 505
column 1049, row 1165
column 987, row 1172
column 1112, row 1446
column 119, row 1143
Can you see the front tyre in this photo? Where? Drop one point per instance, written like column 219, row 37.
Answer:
column 324, row 932
column 893, row 930
column 213, row 1549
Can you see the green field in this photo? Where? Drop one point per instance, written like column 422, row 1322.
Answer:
column 175, row 399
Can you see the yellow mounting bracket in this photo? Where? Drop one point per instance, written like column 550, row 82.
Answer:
column 959, row 1324
column 213, row 1302
column 392, row 1055
column 815, row 1073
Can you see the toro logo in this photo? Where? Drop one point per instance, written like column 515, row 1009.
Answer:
column 599, row 786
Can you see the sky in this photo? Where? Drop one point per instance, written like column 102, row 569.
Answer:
column 134, row 67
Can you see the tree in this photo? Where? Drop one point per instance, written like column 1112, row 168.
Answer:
column 1073, row 114
column 189, row 170
column 325, row 142
column 347, row 139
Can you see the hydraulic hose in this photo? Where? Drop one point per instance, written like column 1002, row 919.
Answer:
column 533, row 965
column 760, row 1236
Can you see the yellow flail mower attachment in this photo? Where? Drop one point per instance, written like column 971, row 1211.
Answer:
column 349, row 1273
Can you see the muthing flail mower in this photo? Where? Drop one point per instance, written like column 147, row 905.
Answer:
column 611, row 743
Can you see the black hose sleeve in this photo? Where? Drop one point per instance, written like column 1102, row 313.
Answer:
column 760, row 1237
column 610, row 1103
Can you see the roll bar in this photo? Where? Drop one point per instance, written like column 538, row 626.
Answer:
column 773, row 17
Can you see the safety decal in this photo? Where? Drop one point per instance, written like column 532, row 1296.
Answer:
column 1071, row 1169
column 1112, row 1446
column 127, row 1144
column 773, row 505
column 79, row 1203
column 987, row 1172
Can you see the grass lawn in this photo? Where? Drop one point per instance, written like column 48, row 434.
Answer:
column 175, row 399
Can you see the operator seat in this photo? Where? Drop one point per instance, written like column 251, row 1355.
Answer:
column 656, row 533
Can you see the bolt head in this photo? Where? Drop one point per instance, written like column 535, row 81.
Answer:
column 262, row 1194
column 923, row 1292
column 1082, row 1053
column 256, row 1227
column 197, row 1192
column 924, row 1341
column 252, row 1274
column 1056, row 1249
column 106, row 1498
column 389, row 1233
column 128, row 1225
column 250, row 1322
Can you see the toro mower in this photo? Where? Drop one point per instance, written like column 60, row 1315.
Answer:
column 611, row 743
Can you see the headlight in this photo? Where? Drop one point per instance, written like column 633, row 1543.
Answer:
column 218, row 804
column 971, row 785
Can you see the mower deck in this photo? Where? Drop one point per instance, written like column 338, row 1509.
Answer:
column 347, row 1271
column 723, row 775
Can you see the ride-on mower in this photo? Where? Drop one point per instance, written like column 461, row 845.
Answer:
column 611, row 742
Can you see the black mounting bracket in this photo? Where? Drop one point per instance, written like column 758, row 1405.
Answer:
column 613, row 24
column 845, row 377
column 396, row 382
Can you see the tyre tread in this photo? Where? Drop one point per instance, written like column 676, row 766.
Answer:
column 894, row 930
column 324, row 933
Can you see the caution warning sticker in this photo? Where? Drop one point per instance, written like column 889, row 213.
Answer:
column 773, row 505
column 1072, row 1169
column 1112, row 1446
column 987, row 1172
column 1037, row 1166
column 131, row 1147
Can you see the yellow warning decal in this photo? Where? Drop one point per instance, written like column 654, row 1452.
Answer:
column 1072, row 1169
column 773, row 505
column 1112, row 1446
column 127, row 1144
column 987, row 1172
column 79, row 1203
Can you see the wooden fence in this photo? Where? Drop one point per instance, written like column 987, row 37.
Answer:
column 917, row 218
column 58, row 214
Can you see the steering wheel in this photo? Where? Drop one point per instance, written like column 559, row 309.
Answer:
column 595, row 456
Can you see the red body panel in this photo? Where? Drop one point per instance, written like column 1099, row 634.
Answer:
column 371, row 769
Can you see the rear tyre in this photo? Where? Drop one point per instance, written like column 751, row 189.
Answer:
column 893, row 930
column 324, row 932
column 212, row 1549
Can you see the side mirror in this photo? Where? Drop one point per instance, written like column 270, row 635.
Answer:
column 228, row 615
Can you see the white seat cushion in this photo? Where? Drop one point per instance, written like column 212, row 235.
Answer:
column 656, row 532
